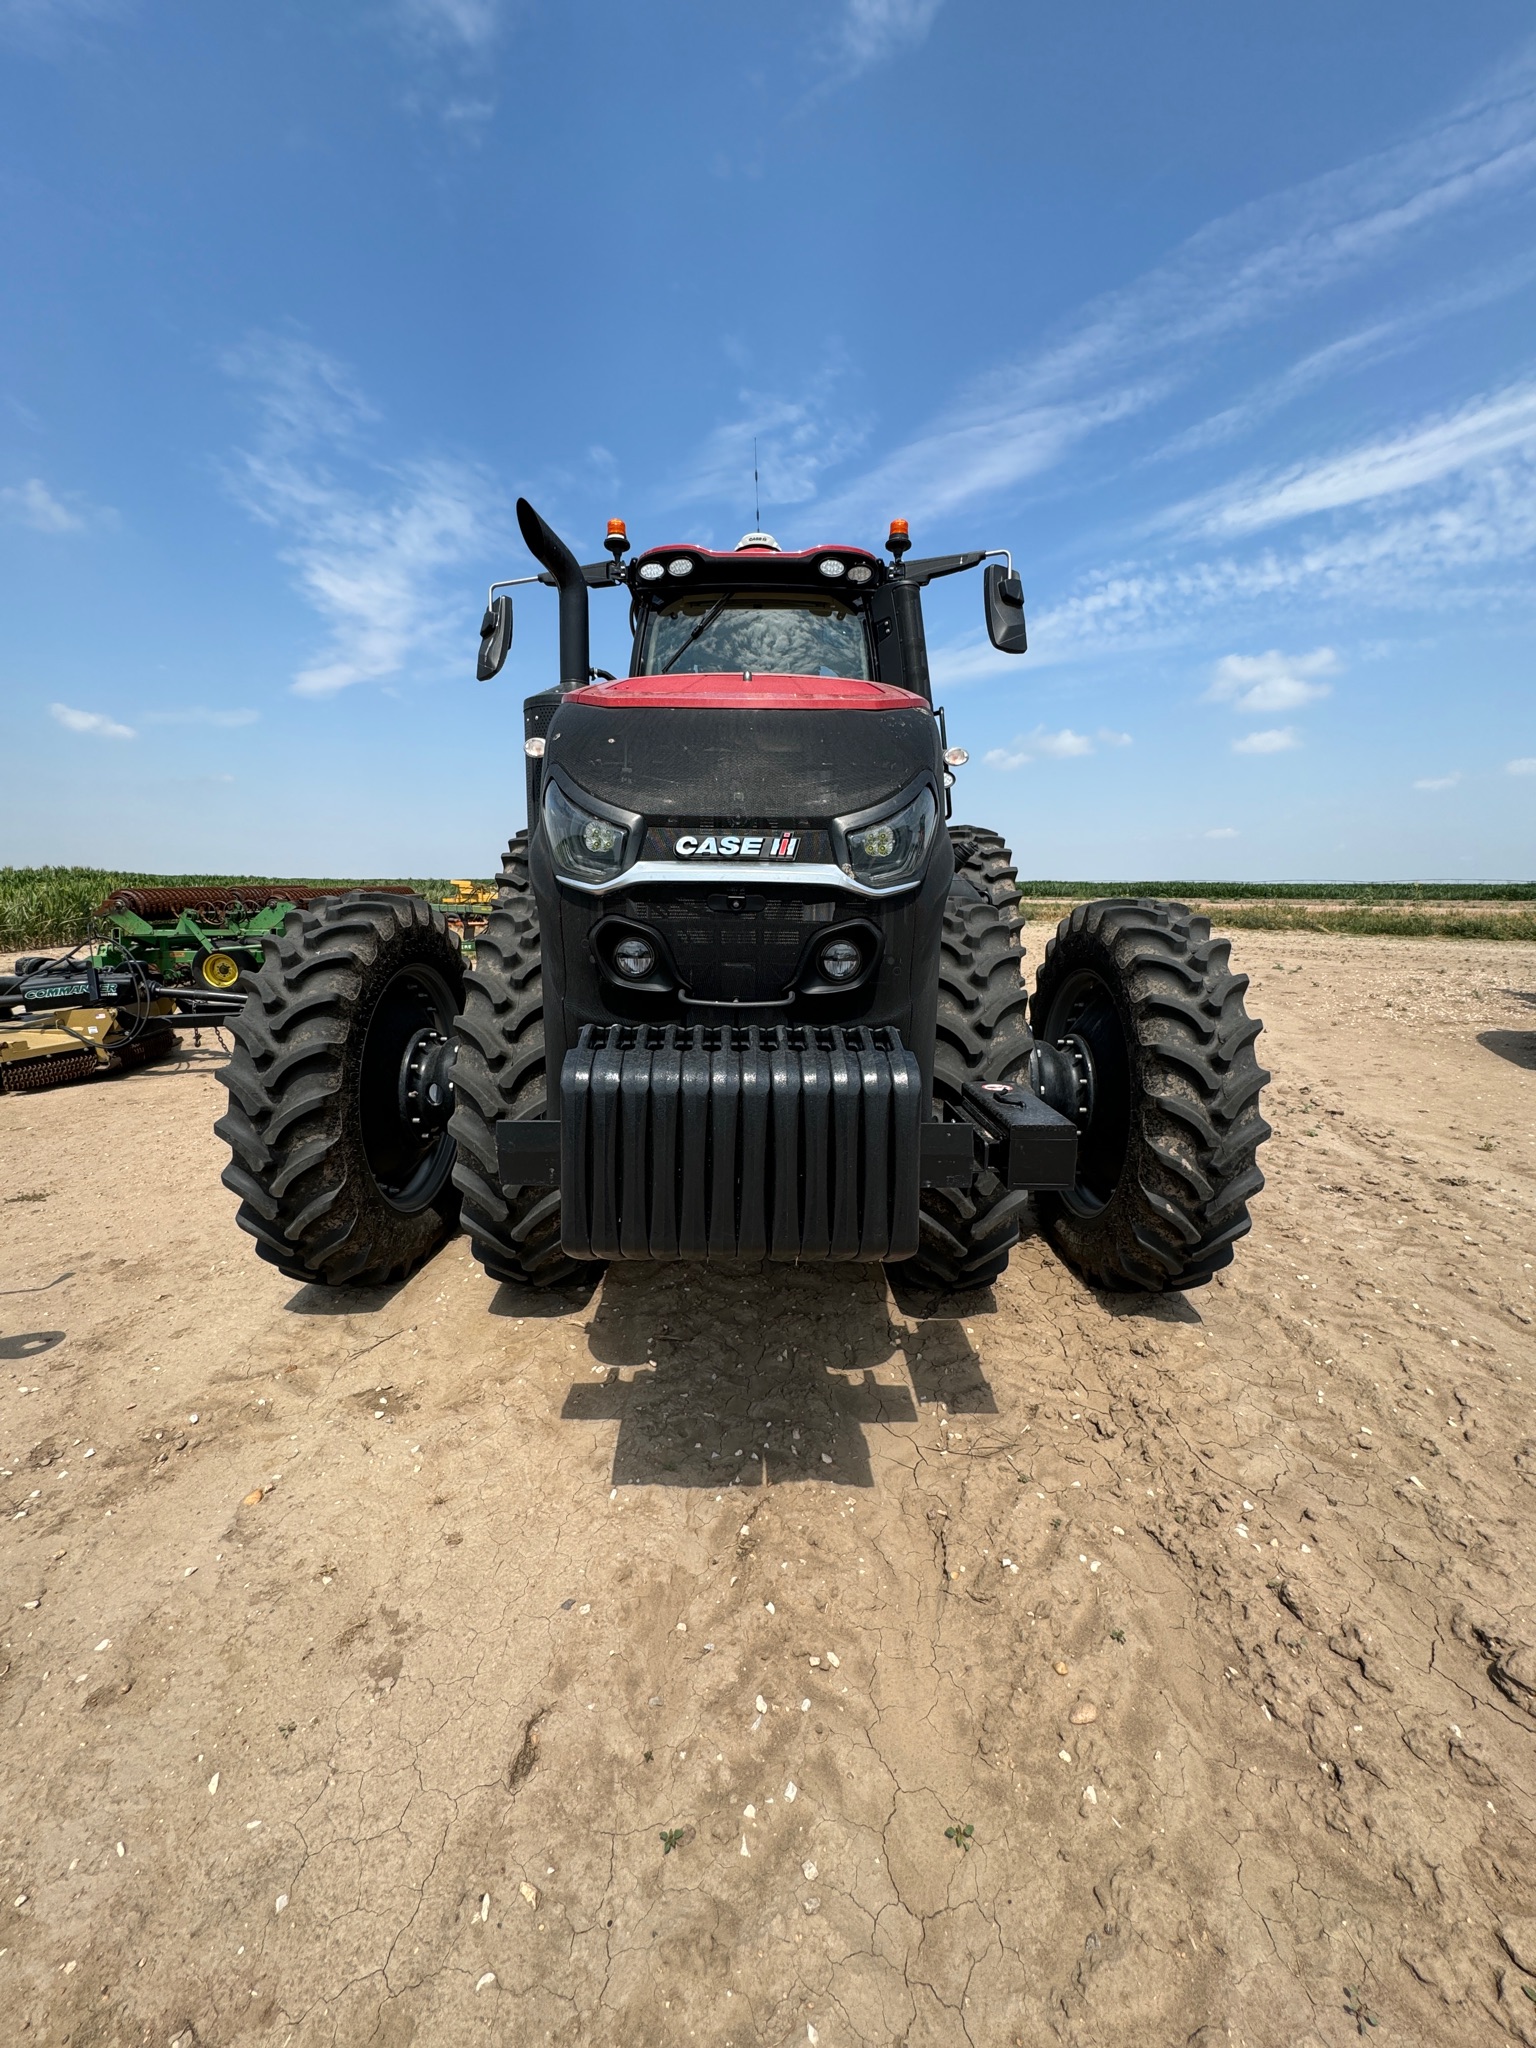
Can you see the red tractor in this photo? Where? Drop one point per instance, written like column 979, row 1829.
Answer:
column 745, row 992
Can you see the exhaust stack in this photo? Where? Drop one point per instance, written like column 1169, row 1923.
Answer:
column 546, row 546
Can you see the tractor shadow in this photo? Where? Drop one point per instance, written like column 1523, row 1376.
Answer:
column 736, row 1378
column 1518, row 1047
column 30, row 1343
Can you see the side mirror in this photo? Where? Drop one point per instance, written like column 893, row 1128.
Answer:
column 495, row 638
column 1003, row 595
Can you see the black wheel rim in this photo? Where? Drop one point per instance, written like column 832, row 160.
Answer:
column 409, row 1165
column 1083, row 1010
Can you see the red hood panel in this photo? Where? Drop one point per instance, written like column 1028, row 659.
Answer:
column 738, row 693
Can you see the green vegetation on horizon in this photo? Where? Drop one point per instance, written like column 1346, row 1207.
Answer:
column 1294, row 892
column 54, row 906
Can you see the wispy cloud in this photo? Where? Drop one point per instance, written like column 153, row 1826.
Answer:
column 202, row 714
column 1525, row 766
column 33, row 505
column 1279, row 739
column 370, row 554
column 50, row 27
column 1266, row 683
column 1434, row 782
column 96, row 723
column 1041, row 745
column 1474, row 437
column 1135, row 346
column 471, row 24
column 1223, row 832
column 868, row 32
column 796, row 440
column 1446, row 553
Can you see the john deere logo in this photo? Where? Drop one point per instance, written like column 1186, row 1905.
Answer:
column 738, row 846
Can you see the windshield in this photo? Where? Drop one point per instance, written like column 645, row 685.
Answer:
column 785, row 636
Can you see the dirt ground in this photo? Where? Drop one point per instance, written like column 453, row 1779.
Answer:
column 433, row 1666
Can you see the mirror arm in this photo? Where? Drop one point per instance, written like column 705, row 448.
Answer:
column 512, row 582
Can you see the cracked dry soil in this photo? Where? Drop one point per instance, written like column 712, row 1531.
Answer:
column 359, row 1650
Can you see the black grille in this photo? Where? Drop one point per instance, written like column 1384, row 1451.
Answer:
column 739, row 945
column 744, row 1141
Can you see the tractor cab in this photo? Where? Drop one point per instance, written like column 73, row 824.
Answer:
column 758, row 611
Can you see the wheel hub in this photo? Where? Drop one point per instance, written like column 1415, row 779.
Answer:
column 1062, row 1075
column 426, row 1081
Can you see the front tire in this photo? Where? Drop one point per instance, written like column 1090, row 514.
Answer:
column 344, row 1177
column 967, row 1234
column 1143, row 1001
column 498, row 1071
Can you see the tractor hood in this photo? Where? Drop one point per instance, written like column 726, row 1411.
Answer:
column 785, row 750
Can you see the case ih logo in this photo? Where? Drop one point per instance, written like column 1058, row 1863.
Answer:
column 738, row 846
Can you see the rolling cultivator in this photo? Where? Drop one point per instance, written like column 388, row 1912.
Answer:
column 159, row 961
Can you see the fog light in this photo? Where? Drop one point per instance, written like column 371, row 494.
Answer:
column 634, row 959
column 840, row 960
column 878, row 843
column 598, row 836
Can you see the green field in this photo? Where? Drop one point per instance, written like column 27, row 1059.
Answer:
column 54, row 906
column 1396, row 910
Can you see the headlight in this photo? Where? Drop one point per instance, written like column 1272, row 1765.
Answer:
column 587, row 847
column 840, row 960
column 634, row 958
column 894, row 849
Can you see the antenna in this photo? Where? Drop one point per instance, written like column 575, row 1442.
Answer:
column 757, row 496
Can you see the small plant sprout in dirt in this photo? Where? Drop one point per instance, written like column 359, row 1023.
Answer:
column 671, row 1838
column 960, row 1834
column 1359, row 2012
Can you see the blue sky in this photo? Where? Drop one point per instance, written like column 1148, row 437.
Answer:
column 1222, row 320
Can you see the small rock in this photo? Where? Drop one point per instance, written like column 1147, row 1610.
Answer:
column 791, row 1792
column 1084, row 1712
column 1060, row 1669
column 826, row 1461
column 1065, row 1755
column 833, row 1659
column 761, row 1704
column 488, row 1978
column 529, row 1893
column 811, row 1905
column 749, row 1813
column 255, row 1497
column 744, row 1849
column 1090, row 1796
column 213, row 1784
column 280, row 1902
column 808, row 1870
column 485, row 1907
